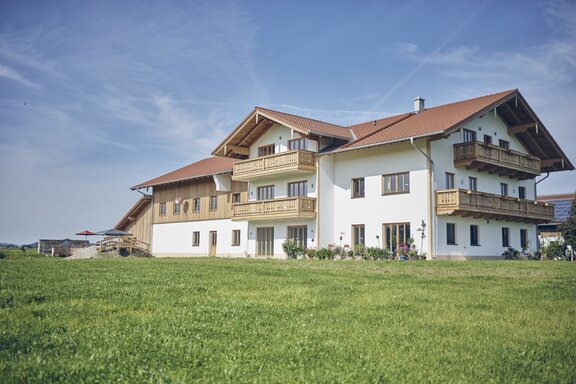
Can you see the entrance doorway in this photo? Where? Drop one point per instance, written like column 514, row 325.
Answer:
column 213, row 242
column 265, row 241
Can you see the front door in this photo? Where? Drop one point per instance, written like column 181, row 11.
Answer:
column 213, row 242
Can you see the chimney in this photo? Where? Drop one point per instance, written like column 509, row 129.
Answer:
column 418, row 104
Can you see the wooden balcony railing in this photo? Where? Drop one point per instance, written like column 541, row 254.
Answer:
column 463, row 202
column 282, row 208
column 275, row 165
column 491, row 158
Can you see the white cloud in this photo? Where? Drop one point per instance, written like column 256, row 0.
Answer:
column 11, row 74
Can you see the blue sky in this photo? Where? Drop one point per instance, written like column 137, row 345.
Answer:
column 97, row 96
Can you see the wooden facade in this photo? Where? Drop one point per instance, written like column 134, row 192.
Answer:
column 279, row 164
column 138, row 220
column 202, row 188
column 468, row 203
column 493, row 159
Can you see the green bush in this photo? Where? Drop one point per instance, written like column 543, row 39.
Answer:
column 324, row 254
column 340, row 251
column 511, row 254
column 554, row 250
column 292, row 249
column 360, row 251
column 311, row 253
column 377, row 253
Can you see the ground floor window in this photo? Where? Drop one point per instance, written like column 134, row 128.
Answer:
column 235, row 237
column 265, row 241
column 299, row 234
column 195, row 239
column 474, row 238
column 450, row 233
column 523, row 239
column 358, row 234
column 396, row 234
column 505, row 237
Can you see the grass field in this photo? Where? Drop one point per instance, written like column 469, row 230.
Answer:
column 226, row 320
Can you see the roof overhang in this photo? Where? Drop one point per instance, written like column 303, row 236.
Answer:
column 175, row 181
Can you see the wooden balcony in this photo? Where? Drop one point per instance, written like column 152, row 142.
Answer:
column 462, row 202
column 277, row 164
column 491, row 158
column 282, row 208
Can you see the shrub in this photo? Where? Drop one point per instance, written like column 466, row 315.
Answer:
column 325, row 254
column 292, row 249
column 511, row 254
column 554, row 250
column 377, row 253
column 311, row 253
column 340, row 251
column 360, row 251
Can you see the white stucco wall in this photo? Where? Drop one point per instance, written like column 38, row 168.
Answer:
column 175, row 239
column 490, row 231
column 280, row 233
column 443, row 155
column 279, row 135
column 374, row 209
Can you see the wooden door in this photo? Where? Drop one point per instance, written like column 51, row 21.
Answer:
column 213, row 243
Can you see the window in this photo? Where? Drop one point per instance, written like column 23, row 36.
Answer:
column 213, row 203
column 358, row 234
column 358, row 187
column 487, row 139
column 235, row 237
column 521, row 192
column 265, row 241
column 395, row 235
column 266, row 150
column 297, row 188
column 474, row 235
column 196, row 204
column 297, row 144
column 450, row 233
column 195, row 239
column 396, row 183
column 504, row 189
column 468, row 135
column 523, row 239
column 473, row 183
column 162, row 209
column 176, row 209
column 299, row 234
column 505, row 237
column 503, row 144
column 235, row 198
column 266, row 192
column 449, row 180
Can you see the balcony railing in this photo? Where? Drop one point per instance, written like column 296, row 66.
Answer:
column 275, row 165
column 282, row 208
column 491, row 158
column 463, row 202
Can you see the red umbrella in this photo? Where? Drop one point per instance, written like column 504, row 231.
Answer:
column 86, row 233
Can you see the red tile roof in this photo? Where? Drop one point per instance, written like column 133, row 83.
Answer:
column 307, row 125
column 428, row 122
column 204, row 167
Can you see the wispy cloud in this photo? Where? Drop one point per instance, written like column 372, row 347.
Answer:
column 11, row 74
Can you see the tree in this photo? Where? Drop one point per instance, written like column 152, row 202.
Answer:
column 568, row 228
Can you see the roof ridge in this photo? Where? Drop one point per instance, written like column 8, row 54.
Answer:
column 472, row 98
column 302, row 117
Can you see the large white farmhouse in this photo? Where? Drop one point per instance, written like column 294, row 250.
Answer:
column 462, row 175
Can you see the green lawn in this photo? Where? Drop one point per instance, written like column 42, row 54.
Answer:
column 245, row 320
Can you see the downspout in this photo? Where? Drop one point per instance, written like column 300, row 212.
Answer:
column 536, row 199
column 432, row 199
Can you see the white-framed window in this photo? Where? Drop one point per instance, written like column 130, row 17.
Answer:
column 196, row 204
column 176, row 209
column 162, row 209
column 468, row 135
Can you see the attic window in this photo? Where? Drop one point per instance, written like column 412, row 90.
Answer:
column 266, row 150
